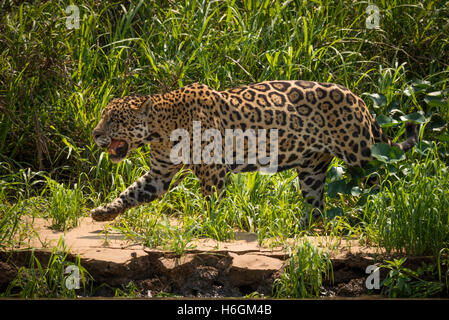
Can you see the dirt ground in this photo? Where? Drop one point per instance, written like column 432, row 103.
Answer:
column 212, row 269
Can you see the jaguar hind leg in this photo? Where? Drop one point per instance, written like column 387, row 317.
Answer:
column 212, row 178
column 312, row 177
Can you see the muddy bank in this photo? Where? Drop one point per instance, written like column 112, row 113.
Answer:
column 198, row 274
column 212, row 269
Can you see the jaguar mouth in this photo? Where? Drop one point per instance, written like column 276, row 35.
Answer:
column 118, row 149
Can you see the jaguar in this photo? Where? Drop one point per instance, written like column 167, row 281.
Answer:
column 314, row 122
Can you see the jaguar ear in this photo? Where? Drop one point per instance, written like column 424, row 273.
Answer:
column 146, row 107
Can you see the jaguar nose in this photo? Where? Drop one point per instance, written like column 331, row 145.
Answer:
column 96, row 134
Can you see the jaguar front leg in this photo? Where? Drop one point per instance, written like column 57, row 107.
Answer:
column 147, row 188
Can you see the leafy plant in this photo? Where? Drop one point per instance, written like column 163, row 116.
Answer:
column 64, row 205
column 410, row 214
column 402, row 282
column 50, row 281
column 443, row 261
column 129, row 291
column 303, row 275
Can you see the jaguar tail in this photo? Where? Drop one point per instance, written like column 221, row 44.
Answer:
column 412, row 137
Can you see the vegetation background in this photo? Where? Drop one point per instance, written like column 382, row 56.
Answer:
column 61, row 62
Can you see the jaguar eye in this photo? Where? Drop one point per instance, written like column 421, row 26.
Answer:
column 110, row 121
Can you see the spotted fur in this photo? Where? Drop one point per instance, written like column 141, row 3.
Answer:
column 315, row 122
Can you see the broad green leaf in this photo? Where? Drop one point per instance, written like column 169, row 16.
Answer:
column 373, row 166
column 394, row 105
column 413, row 90
column 408, row 91
column 424, row 84
column 356, row 191
column 356, row 173
column 386, row 153
column 393, row 112
column 436, row 123
column 385, row 121
column 436, row 93
column 415, row 116
column 379, row 100
column 416, row 87
column 435, row 101
column 337, row 187
column 335, row 173
column 334, row 212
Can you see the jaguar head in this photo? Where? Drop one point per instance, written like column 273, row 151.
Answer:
column 123, row 126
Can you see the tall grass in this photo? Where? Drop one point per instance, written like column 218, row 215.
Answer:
column 9, row 223
column 411, row 214
column 64, row 205
column 49, row 281
column 55, row 80
column 304, row 273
